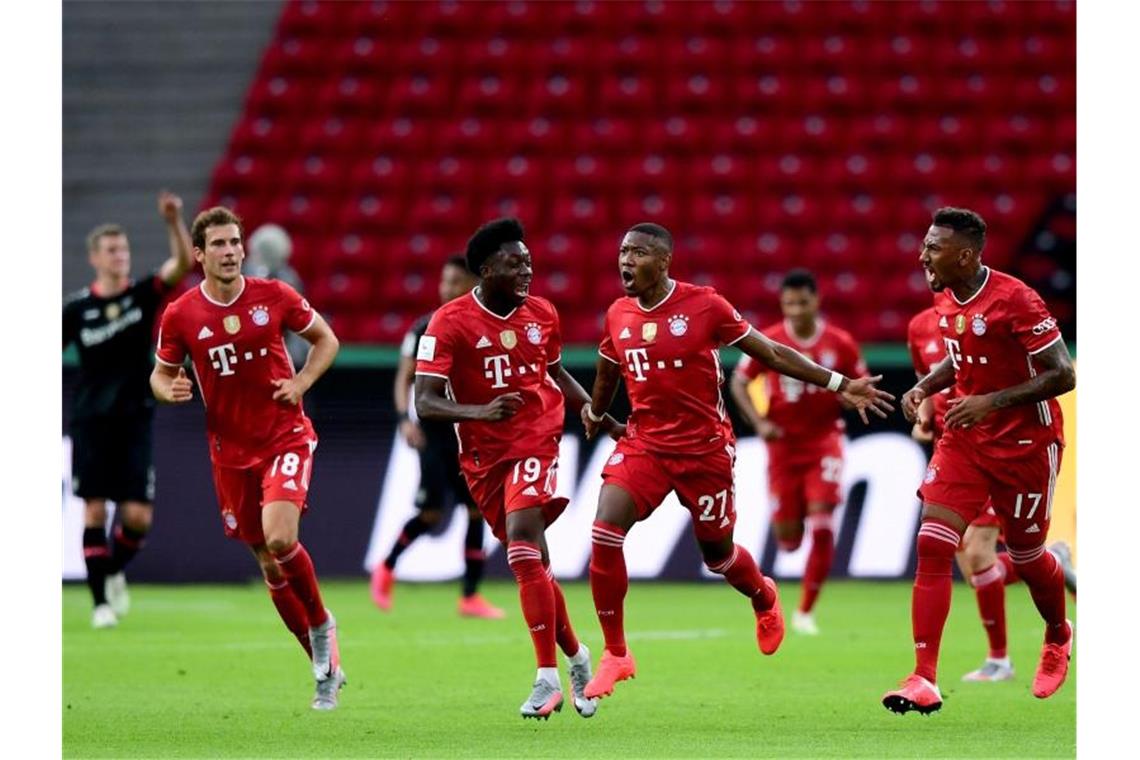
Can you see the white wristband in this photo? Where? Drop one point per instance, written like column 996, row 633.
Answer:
column 590, row 413
column 835, row 381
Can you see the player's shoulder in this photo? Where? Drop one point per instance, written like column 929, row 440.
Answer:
column 688, row 290
column 542, row 305
column 922, row 319
column 264, row 287
column 775, row 331
column 189, row 299
column 76, row 299
column 838, row 334
column 452, row 315
column 1008, row 286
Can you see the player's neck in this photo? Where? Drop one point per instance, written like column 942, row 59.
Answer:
column 501, row 306
column 966, row 289
column 656, row 294
column 224, row 292
column 805, row 332
column 109, row 286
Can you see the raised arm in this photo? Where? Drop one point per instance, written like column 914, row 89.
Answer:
column 323, row 349
column 1057, row 377
column 181, row 259
column 860, row 393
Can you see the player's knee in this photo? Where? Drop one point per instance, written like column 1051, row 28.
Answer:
column 95, row 513
column 139, row 520
column 717, row 554
column 279, row 544
column 978, row 556
column 430, row 517
column 937, row 540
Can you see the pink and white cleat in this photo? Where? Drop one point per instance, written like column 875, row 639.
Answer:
column 478, row 607
column 1053, row 667
column 916, row 694
column 382, row 581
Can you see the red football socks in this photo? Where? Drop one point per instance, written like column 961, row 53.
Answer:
column 819, row 559
column 563, row 631
column 741, row 572
column 297, row 566
column 537, row 598
column 1009, row 570
column 930, row 599
column 989, row 586
column 609, row 583
column 1042, row 573
column 292, row 612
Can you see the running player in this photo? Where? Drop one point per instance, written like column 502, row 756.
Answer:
column 261, row 443
column 111, row 322
column 1001, row 445
column 437, row 447
column 491, row 362
column 803, row 429
column 663, row 339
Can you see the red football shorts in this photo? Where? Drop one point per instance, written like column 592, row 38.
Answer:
column 964, row 480
column 796, row 480
column 704, row 484
column 514, row 484
column 242, row 491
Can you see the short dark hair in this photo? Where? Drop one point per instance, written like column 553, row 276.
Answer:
column 656, row 230
column 95, row 236
column 489, row 238
column 799, row 278
column 212, row 217
column 969, row 224
column 457, row 260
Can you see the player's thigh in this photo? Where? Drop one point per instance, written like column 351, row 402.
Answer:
column 631, row 475
column 239, row 503
column 531, row 483
column 95, row 460
column 1023, row 496
column 956, row 487
column 285, row 493
column 705, row 487
column 136, row 470
column 979, row 545
column 432, row 491
column 822, row 480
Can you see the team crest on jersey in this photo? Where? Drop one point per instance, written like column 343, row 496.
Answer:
column 113, row 310
column 931, row 474
column 649, row 332
column 678, row 325
column 978, row 325
column 533, row 333
column 616, row 459
column 232, row 323
column 508, row 339
column 960, row 324
column 260, row 315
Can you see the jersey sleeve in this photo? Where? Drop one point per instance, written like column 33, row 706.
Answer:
column 412, row 337
column 554, row 344
column 749, row 368
column 171, row 348
column 435, row 352
column 728, row 325
column 606, row 348
column 914, row 345
column 1032, row 324
column 299, row 315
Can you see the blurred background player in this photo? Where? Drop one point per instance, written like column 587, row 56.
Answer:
column 803, row 430
column 261, row 443
column 112, row 323
column 270, row 248
column 440, row 479
column 1000, row 448
column 985, row 569
column 491, row 361
column 663, row 338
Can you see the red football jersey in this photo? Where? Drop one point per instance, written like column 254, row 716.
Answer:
column 236, row 350
column 924, row 339
column 483, row 355
column 806, row 412
column 991, row 339
column 670, row 361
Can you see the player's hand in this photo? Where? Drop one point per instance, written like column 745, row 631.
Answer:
column 181, row 389
column 968, row 410
column 921, row 434
column 911, row 400
column 862, row 394
column 589, row 424
column 613, row 428
column 290, row 390
column 413, row 434
column 169, row 206
column 768, row 430
column 502, row 407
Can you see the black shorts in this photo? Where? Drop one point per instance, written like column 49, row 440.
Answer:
column 111, row 458
column 441, row 483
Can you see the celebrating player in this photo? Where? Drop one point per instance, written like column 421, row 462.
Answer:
column 491, row 361
column 803, row 429
column 111, row 322
column 439, row 469
column 663, row 339
column 987, row 570
column 261, row 443
column 1001, row 445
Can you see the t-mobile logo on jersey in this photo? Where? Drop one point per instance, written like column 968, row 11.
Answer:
column 223, row 358
column 638, row 362
column 496, row 368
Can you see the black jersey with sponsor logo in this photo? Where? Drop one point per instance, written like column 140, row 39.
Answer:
column 113, row 336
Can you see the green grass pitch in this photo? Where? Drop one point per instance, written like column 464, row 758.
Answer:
column 209, row 671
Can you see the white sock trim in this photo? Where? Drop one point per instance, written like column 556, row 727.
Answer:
column 550, row 675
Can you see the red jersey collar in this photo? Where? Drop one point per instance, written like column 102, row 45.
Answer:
column 484, row 308
column 977, row 293
column 202, row 288
column 637, row 300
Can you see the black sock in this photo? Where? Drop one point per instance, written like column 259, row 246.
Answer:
column 473, row 556
column 125, row 544
column 97, row 557
column 413, row 529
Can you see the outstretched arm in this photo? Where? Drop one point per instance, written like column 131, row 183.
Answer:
column 321, row 354
column 1058, row 377
column 181, row 259
column 432, row 403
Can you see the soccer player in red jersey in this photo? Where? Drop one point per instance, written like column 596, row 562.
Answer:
column 1001, row 444
column 803, row 429
column 261, row 443
column 491, row 362
column 663, row 339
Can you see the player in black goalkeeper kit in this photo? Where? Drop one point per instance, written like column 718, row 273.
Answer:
column 111, row 323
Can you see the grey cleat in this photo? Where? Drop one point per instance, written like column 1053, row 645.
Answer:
column 580, row 675
column 545, row 699
column 991, row 670
column 103, row 617
column 326, row 655
column 326, row 696
column 115, row 587
column 1060, row 550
